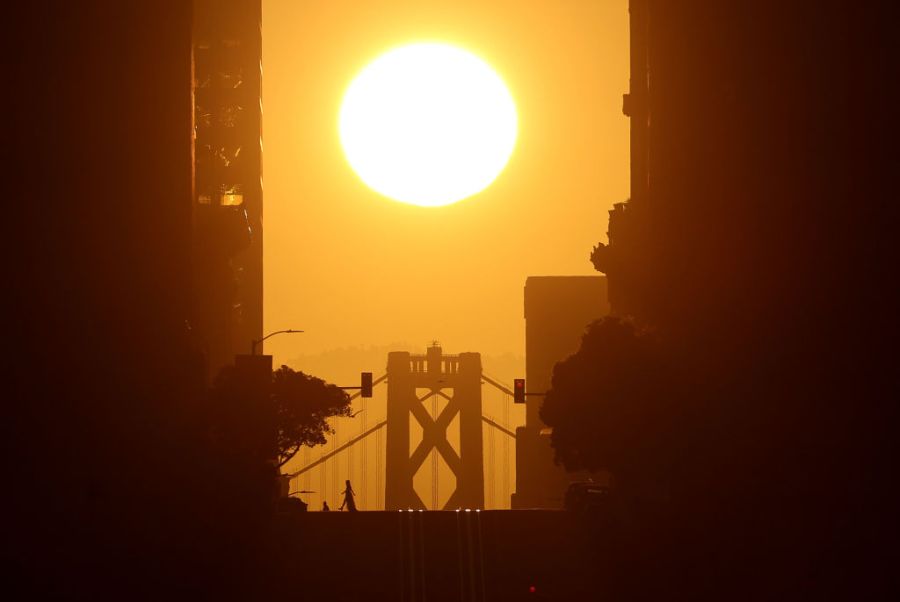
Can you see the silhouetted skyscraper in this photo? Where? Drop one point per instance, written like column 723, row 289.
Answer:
column 101, row 138
column 227, row 52
column 754, row 248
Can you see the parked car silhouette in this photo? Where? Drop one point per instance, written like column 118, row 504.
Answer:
column 583, row 496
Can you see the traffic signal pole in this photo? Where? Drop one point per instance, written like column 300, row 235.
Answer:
column 366, row 384
column 519, row 393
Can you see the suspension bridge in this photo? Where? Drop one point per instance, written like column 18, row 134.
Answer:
column 451, row 433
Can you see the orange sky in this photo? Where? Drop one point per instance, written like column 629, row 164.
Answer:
column 354, row 269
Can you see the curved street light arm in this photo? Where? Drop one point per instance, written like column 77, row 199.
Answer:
column 271, row 334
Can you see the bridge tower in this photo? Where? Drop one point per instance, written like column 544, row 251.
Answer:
column 437, row 373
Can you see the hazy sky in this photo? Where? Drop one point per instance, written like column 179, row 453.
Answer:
column 355, row 269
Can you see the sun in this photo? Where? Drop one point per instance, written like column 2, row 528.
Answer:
column 428, row 124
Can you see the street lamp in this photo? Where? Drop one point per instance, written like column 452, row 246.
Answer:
column 271, row 334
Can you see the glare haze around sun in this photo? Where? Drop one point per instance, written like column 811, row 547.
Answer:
column 428, row 124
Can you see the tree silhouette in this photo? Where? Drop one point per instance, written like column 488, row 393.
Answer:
column 292, row 411
column 612, row 404
column 303, row 405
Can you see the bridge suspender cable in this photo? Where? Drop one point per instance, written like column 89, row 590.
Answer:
column 498, row 427
column 493, row 382
column 338, row 450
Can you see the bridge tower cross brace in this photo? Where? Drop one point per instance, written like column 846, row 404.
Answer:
column 437, row 373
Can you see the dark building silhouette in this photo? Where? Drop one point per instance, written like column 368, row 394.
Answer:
column 557, row 312
column 101, row 142
column 754, row 245
column 227, row 204
column 106, row 438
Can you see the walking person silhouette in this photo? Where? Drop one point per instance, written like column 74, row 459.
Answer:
column 348, row 498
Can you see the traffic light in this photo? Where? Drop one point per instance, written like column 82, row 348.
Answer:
column 366, row 381
column 519, row 390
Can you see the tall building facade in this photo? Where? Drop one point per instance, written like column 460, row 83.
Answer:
column 227, row 203
column 754, row 246
column 558, row 310
column 101, row 142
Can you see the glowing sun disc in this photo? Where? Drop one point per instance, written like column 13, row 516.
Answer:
column 428, row 124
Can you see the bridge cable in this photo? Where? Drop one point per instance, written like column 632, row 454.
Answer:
column 336, row 450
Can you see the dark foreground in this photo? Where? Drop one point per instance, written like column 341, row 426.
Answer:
column 435, row 556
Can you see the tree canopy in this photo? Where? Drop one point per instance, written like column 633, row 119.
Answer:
column 611, row 404
column 303, row 405
column 296, row 406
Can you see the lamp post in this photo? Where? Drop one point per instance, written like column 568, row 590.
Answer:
column 271, row 334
